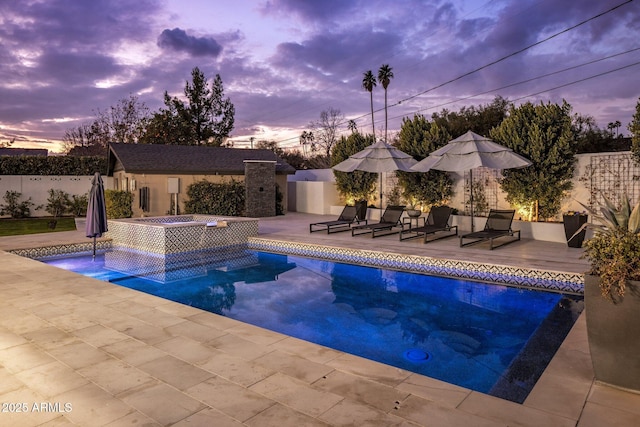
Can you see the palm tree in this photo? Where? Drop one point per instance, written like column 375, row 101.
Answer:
column 385, row 74
column 369, row 82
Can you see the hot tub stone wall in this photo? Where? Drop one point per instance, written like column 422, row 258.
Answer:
column 260, row 188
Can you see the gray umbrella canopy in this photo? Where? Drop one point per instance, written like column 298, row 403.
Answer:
column 471, row 151
column 468, row 152
column 378, row 157
column 96, row 211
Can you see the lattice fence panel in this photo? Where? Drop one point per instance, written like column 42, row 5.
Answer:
column 485, row 191
column 612, row 176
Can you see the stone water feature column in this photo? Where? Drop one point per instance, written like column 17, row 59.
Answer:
column 260, row 188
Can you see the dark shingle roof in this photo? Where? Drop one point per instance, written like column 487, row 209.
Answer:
column 24, row 152
column 188, row 159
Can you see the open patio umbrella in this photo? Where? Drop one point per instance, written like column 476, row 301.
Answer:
column 96, row 211
column 378, row 157
column 468, row 152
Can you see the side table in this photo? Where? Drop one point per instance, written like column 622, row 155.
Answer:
column 411, row 220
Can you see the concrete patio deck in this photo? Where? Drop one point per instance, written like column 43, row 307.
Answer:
column 78, row 351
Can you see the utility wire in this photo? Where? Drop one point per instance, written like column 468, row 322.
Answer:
column 500, row 60
column 579, row 81
column 529, row 80
column 513, row 53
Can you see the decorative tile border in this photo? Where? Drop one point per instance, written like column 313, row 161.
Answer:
column 71, row 248
column 513, row 276
column 185, row 233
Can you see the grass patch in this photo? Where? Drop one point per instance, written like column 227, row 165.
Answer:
column 16, row 227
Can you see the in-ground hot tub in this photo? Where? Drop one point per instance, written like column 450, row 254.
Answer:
column 182, row 233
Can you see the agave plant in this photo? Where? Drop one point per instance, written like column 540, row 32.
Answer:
column 614, row 250
column 613, row 218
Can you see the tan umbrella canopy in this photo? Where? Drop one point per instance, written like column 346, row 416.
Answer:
column 378, row 157
column 468, row 152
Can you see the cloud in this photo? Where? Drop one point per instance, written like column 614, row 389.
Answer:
column 285, row 61
column 179, row 41
column 310, row 10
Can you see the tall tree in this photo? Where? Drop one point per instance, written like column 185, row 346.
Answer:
column 385, row 74
column 614, row 125
column 419, row 137
column 206, row 118
column 634, row 128
column 480, row 119
column 368, row 83
column 124, row 122
column 591, row 139
column 545, row 135
column 356, row 185
column 306, row 140
column 325, row 130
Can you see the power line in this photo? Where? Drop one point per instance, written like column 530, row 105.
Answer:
column 530, row 80
column 525, row 81
column 500, row 60
column 579, row 81
column 513, row 53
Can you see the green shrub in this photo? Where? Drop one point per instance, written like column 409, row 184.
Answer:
column 14, row 207
column 119, row 204
column 614, row 250
column 57, row 203
column 216, row 199
column 78, row 204
column 279, row 200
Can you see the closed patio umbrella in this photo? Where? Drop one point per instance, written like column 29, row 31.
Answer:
column 468, row 152
column 378, row 157
column 96, row 211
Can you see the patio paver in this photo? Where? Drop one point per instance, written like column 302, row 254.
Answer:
column 119, row 357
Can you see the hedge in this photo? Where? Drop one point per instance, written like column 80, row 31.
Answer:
column 216, row 199
column 53, row 165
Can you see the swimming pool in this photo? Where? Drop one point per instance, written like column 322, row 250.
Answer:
column 490, row 338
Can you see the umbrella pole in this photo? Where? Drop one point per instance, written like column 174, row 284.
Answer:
column 471, row 198
column 94, row 247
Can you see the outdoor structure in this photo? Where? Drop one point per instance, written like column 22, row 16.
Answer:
column 159, row 175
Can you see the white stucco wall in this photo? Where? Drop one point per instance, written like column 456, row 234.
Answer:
column 37, row 187
column 312, row 197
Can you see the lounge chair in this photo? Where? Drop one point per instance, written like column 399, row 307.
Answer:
column 437, row 221
column 388, row 222
column 498, row 225
column 349, row 216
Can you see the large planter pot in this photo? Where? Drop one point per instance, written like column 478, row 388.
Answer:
column 572, row 223
column 614, row 335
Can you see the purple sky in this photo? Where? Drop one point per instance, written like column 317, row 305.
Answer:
column 282, row 62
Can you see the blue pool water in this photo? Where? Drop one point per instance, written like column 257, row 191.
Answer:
column 490, row 338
